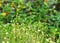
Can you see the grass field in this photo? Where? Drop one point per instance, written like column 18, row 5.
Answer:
column 28, row 33
column 28, row 22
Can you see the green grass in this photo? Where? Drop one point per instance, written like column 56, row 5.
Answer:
column 29, row 23
column 31, row 33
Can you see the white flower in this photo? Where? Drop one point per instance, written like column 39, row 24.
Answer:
column 4, row 37
column 7, row 41
column 3, row 41
column 39, row 30
column 6, row 33
column 47, row 39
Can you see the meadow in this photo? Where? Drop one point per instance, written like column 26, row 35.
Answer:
column 29, row 22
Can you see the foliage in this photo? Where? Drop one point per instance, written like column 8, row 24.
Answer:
column 31, row 22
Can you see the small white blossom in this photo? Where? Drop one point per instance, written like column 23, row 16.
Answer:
column 3, row 41
column 4, row 37
column 47, row 39
column 7, row 41
column 6, row 33
column 39, row 30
